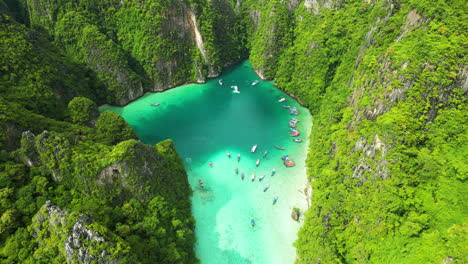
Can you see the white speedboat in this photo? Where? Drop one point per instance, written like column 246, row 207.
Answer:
column 236, row 89
column 261, row 177
column 254, row 148
column 220, row 81
column 255, row 82
column 253, row 176
column 258, row 162
column 282, row 100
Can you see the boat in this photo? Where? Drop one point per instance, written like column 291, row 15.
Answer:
column 258, row 162
column 228, row 154
column 155, row 104
column 266, row 187
column 278, row 147
column 242, row 175
column 287, row 161
column 261, row 177
column 275, row 199
column 253, row 176
column 273, row 171
column 201, row 183
column 293, row 111
column 236, row 89
column 252, row 222
column 220, row 81
column 236, row 170
column 254, row 147
column 211, row 164
column 294, row 132
column 282, row 100
column 238, row 157
column 293, row 122
column 265, row 154
column 298, row 140
column 255, row 82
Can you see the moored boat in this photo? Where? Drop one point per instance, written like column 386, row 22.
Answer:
column 282, row 100
column 293, row 111
column 294, row 132
column 228, row 154
column 220, row 81
column 252, row 222
column 238, row 157
column 242, row 175
column 236, row 170
column 298, row 140
column 253, row 176
column 255, row 82
column 287, row 161
column 254, row 148
column 293, row 122
column 273, row 171
column 201, row 183
column 265, row 154
column 266, row 187
column 278, row 147
column 258, row 162
column 261, row 177
column 275, row 199
column 155, row 104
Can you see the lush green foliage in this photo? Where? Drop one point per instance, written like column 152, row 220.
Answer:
column 112, row 128
column 389, row 137
column 82, row 110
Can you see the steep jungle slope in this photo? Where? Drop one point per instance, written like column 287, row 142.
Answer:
column 386, row 82
column 76, row 186
column 137, row 46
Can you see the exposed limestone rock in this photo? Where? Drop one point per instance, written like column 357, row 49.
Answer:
column 377, row 167
column 52, row 222
column 413, row 20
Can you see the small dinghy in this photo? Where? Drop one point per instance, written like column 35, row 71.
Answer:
column 201, row 183
column 273, row 171
column 220, row 81
column 282, row 100
column 253, row 176
column 298, row 140
column 278, row 147
column 254, row 148
column 242, row 175
column 236, row 89
column 255, row 82
column 266, row 187
column 258, row 162
column 261, row 177
column 156, row 104
column 252, row 222
column 275, row 199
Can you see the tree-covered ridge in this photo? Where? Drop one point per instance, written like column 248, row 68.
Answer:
column 132, row 198
column 137, row 46
column 386, row 81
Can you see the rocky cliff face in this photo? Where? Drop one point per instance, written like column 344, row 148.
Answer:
column 143, row 47
column 78, row 242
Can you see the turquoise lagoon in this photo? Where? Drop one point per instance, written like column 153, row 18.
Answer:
column 205, row 121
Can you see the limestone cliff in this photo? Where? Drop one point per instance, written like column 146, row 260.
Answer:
column 72, row 238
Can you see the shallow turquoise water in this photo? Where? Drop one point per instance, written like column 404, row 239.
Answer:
column 207, row 120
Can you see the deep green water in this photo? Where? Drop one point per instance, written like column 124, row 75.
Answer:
column 207, row 120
